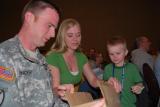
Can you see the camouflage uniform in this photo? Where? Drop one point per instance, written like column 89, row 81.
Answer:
column 25, row 80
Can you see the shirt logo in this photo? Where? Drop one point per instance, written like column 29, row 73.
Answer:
column 7, row 74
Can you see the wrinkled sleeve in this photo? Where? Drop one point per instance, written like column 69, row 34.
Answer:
column 7, row 76
column 7, row 72
column 60, row 103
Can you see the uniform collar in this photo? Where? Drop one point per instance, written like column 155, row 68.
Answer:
column 40, row 58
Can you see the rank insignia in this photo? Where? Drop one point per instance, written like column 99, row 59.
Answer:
column 7, row 74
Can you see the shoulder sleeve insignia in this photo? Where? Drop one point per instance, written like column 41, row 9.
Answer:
column 7, row 74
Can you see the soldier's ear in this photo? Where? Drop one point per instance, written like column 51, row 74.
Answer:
column 29, row 17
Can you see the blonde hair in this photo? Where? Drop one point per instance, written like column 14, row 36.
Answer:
column 59, row 44
column 117, row 40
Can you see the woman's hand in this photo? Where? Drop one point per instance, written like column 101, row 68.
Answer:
column 116, row 84
column 99, row 103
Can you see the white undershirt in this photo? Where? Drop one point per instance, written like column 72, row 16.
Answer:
column 31, row 53
column 74, row 73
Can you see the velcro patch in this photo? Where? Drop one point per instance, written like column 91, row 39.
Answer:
column 7, row 74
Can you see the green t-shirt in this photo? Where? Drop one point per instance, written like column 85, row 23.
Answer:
column 57, row 60
column 131, row 78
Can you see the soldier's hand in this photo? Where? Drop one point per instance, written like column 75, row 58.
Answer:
column 65, row 88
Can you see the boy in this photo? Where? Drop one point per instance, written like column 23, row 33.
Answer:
column 127, row 73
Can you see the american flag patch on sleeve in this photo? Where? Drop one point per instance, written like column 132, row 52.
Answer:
column 7, row 74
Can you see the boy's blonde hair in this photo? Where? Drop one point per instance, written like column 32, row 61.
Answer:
column 117, row 40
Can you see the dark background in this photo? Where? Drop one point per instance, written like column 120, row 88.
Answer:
column 99, row 19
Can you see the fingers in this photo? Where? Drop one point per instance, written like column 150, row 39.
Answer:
column 99, row 103
column 111, row 81
column 61, row 91
column 137, row 89
column 116, row 84
column 65, row 88
column 70, row 88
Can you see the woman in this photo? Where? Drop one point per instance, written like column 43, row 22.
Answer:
column 67, row 62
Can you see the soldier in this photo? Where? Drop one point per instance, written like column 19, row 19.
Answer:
column 25, row 80
column 24, row 75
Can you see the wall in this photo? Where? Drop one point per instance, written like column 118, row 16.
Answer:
column 99, row 19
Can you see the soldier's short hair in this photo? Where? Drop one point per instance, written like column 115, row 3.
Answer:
column 36, row 6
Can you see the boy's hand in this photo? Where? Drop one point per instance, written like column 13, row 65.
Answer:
column 116, row 84
column 137, row 89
